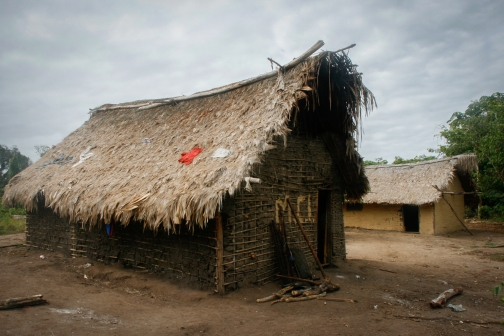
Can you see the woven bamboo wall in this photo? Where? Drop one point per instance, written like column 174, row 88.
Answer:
column 337, row 226
column 297, row 171
column 47, row 231
column 191, row 255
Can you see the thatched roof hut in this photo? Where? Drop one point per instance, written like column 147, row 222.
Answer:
column 427, row 184
column 294, row 129
column 413, row 183
column 122, row 164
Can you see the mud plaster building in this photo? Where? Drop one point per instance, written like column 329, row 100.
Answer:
column 191, row 184
column 426, row 197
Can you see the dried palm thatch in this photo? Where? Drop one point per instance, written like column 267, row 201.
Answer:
column 122, row 164
column 413, row 183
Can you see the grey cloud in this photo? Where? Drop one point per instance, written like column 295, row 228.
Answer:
column 423, row 59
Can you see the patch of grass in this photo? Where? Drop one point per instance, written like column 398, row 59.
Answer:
column 8, row 225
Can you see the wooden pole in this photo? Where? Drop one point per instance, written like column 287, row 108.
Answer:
column 453, row 210
column 307, row 239
column 219, row 255
column 456, row 215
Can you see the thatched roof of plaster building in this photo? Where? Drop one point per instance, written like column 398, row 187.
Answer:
column 413, row 183
column 122, row 164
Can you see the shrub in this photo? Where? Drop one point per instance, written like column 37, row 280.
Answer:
column 9, row 225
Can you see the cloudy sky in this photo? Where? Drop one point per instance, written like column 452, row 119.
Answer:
column 423, row 60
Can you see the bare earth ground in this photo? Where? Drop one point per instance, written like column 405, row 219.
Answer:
column 392, row 275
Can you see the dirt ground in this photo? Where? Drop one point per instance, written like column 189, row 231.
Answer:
column 392, row 275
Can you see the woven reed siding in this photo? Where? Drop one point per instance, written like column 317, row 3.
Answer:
column 191, row 255
column 337, row 226
column 47, row 231
column 248, row 246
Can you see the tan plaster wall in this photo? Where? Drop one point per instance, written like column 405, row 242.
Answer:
column 376, row 217
column 434, row 219
column 388, row 218
column 426, row 219
column 446, row 221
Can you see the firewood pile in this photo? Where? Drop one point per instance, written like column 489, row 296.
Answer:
column 302, row 289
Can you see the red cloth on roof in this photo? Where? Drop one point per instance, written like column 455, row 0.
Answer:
column 188, row 157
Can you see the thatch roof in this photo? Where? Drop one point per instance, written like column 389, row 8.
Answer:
column 122, row 164
column 413, row 183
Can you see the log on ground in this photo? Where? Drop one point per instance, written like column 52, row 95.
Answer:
column 34, row 300
column 440, row 301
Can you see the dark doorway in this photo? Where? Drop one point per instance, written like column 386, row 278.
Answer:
column 411, row 218
column 323, row 227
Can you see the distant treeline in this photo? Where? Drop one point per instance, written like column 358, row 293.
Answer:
column 398, row 160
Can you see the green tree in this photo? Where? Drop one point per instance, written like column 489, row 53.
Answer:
column 5, row 157
column 480, row 130
column 377, row 161
column 11, row 163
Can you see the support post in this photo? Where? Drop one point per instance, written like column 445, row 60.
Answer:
column 456, row 215
column 219, row 254
column 453, row 210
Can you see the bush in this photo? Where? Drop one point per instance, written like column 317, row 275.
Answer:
column 484, row 212
column 470, row 212
column 495, row 212
column 8, row 225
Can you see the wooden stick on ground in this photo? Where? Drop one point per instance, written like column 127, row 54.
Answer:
column 445, row 296
column 276, row 295
column 305, row 298
column 22, row 302
column 282, row 299
column 446, row 319
column 267, row 298
column 338, row 300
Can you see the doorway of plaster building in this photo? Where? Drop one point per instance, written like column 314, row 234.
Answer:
column 324, row 250
column 411, row 218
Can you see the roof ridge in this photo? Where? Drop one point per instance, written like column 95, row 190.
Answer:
column 146, row 104
column 449, row 158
